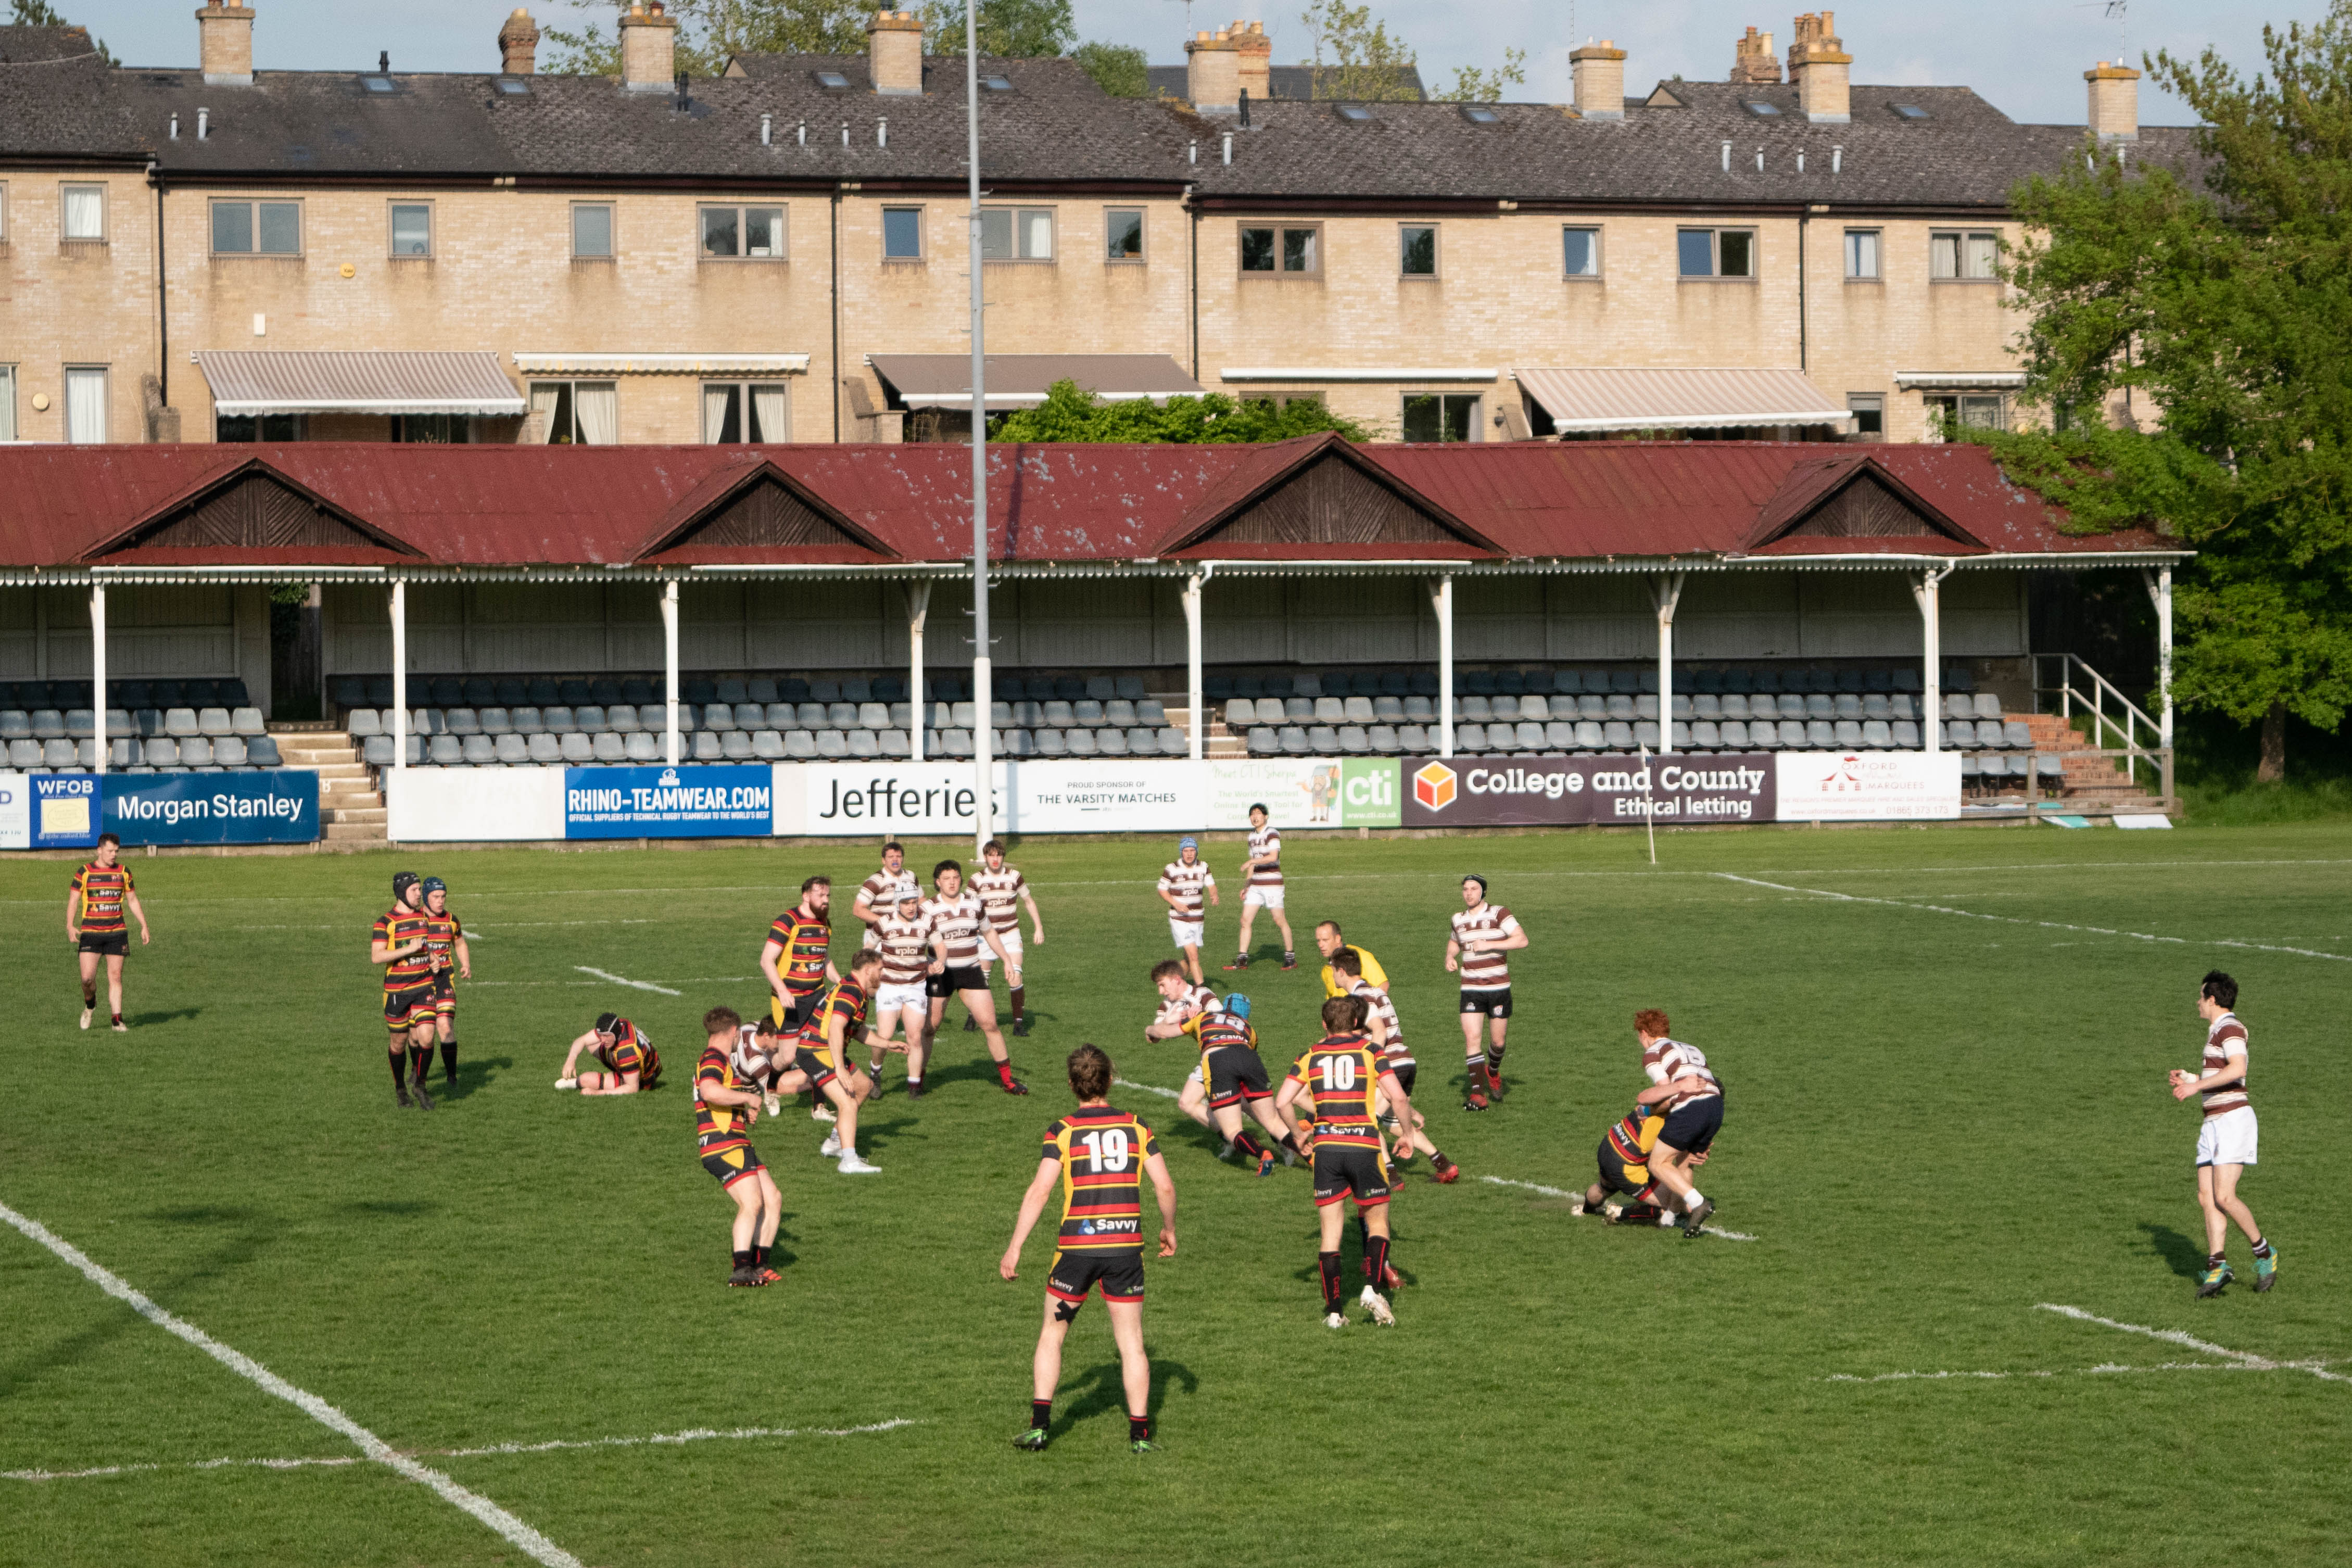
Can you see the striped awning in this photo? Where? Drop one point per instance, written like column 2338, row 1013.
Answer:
column 249, row 381
column 1021, row 380
column 1678, row 399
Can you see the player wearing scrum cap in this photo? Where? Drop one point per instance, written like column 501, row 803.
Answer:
column 1481, row 934
column 903, row 937
column 960, row 929
column 726, row 1104
column 2226, row 1141
column 1002, row 890
column 1387, row 1031
column 880, row 893
column 627, row 1058
column 1182, row 882
column 399, row 944
column 451, row 960
column 1231, row 1077
column 1261, row 887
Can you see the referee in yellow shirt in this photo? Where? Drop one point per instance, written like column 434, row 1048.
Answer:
column 1329, row 942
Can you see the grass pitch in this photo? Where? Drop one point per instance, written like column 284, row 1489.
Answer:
column 1946, row 1110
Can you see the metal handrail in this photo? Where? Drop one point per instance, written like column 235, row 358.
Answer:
column 2126, row 722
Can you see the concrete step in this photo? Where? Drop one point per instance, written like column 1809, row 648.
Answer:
column 349, row 832
column 346, row 814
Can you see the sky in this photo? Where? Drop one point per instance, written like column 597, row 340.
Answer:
column 2028, row 58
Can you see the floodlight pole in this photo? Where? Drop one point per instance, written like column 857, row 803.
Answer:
column 983, row 813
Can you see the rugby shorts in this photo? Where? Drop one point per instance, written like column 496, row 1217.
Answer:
column 907, row 994
column 1405, row 1069
column 1494, row 1004
column 112, row 944
column 1616, row 1176
column 1186, row 933
column 445, row 994
column 808, row 1063
column 1263, row 898
column 2229, row 1139
column 1118, row 1270
column 1342, row 1170
column 804, row 1008
column 1236, row 1077
column 408, row 1007
column 1013, row 951
column 1693, row 1126
column 960, row 977
column 730, row 1160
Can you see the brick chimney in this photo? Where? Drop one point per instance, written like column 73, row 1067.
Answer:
column 1819, row 67
column 1597, row 71
column 224, row 36
column 2114, row 101
column 518, row 44
column 894, row 43
column 1753, row 63
column 1213, row 73
column 1253, row 54
column 648, row 49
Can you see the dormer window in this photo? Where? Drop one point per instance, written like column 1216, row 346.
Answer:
column 831, row 81
column 376, row 83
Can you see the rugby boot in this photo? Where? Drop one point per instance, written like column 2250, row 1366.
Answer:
column 1033, row 1441
column 2209, row 1283
column 745, row 1277
column 767, row 1275
column 1374, row 1303
column 1696, row 1221
column 1021, row 1028
column 1446, row 1175
column 1289, row 961
column 1143, row 1445
column 1013, row 1086
column 970, row 1025
column 1265, row 1168
column 424, row 1100
column 2266, row 1271
column 400, row 1095
column 1477, row 1101
column 1241, row 961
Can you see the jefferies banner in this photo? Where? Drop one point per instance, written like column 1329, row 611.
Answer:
column 1555, row 791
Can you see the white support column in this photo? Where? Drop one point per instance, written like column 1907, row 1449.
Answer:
column 1667, row 593
column 1199, row 728
column 1441, row 599
column 98, row 669
column 400, row 677
column 669, row 670
column 2159, row 590
column 918, row 610
column 1931, row 677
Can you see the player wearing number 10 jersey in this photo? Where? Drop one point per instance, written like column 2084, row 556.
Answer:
column 1336, row 1077
column 1098, row 1156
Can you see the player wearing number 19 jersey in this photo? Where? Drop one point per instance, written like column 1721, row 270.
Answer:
column 1336, row 1077
column 1097, row 1155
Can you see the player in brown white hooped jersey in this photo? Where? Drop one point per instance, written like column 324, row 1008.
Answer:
column 960, row 929
column 1180, row 998
column 880, row 893
column 1183, row 881
column 2227, row 1139
column 1482, row 933
column 1002, row 890
column 1687, row 1092
column 1261, row 887
column 903, row 936
column 1387, row 1030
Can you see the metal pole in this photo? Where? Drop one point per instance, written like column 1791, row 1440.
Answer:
column 2162, row 590
column 98, row 669
column 919, row 609
column 1669, row 594
column 1931, row 680
column 400, row 678
column 1441, row 599
column 1200, row 724
column 983, row 812
column 669, row 670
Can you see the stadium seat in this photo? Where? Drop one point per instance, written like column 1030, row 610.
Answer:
column 1989, row 733
column 705, row 747
column 1265, row 742
column 2016, row 734
column 1903, row 705
column 1971, row 771
column 1530, row 735
column 1615, row 706
column 1472, row 708
column 1957, row 706
column 1819, row 707
column 1906, row 734
column 1469, row 737
column 379, row 691
column 1419, row 708
column 1682, row 707
column 1087, row 710
column 1382, row 740
column 1874, row 705
column 1294, row 741
column 875, row 716
column 1058, row 714
column 1121, row 712
column 526, row 721
column 856, row 689
column 1109, row 742
column 1388, row 710
column 1733, row 705
column 1294, row 708
column 543, row 748
column 1959, row 733
column 573, row 747
column 1794, row 737
column 719, row 717
column 163, row 751
column 1217, row 688
column 376, row 750
column 1733, row 734
column 1423, row 683
column 1476, row 682
column 621, row 717
column 1906, row 680
column 864, row 744
column 1414, row 740
column 1987, row 705
column 1848, row 732
column 826, row 692
column 1051, row 743
column 1992, row 767
column 1150, row 710
column 2049, row 770
column 1875, row 735
column 800, row 745
column 1129, row 687
column 363, row 722
column 181, row 722
column 1143, row 740
column 1101, row 688
column 477, row 749
column 699, row 689
column 1504, row 705
column 1707, row 705
column 1705, row 735
column 1957, row 678
column 495, row 720
column 1354, row 740
column 1645, row 734
column 841, row 715
column 1822, row 734
column 1307, row 686
column 1848, row 706
column 440, row 751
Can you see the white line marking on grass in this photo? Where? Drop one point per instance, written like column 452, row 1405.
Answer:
column 515, row 1532
column 2175, row 1337
column 2108, row 1368
column 1578, row 1200
column 1148, row 1088
column 622, row 979
column 2047, row 925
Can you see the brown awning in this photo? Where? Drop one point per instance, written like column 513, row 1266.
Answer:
column 1678, row 399
column 1020, row 381
column 247, row 382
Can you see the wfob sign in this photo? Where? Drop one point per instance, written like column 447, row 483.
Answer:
column 65, row 811
column 668, row 803
column 1683, row 788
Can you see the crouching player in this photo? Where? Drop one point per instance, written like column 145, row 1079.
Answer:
column 627, row 1056
column 1098, row 1155
column 1336, row 1077
column 1624, row 1158
column 1230, row 1076
column 726, row 1104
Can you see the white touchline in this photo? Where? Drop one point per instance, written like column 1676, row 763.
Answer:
column 1578, row 1200
column 2175, row 1337
column 515, row 1530
column 622, row 979
column 1148, row 1088
column 2048, row 925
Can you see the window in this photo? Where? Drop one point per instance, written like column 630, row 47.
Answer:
column 578, row 412
column 1355, row 113
column 376, row 83
column 1016, row 234
column 1869, row 411
column 432, row 429
column 1718, row 252
column 1581, row 252
column 515, row 86
column 1909, row 111
column 1280, row 400
column 742, row 232
column 7, row 402
column 257, row 228
column 1967, row 257
column 1761, row 110
column 84, row 214
column 1967, row 410
column 902, row 233
column 1417, row 250
column 591, row 230
column 1479, row 114
column 1861, row 253
column 735, row 411
column 1294, row 251
column 85, row 405
column 997, row 83
column 1441, row 417
column 266, row 428
column 1123, row 233
column 831, row 81
column 412, row 228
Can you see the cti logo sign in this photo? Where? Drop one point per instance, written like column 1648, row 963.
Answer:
column 1433, row 787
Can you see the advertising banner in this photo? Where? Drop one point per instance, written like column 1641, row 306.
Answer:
column 1868, row 786
column 1303, row 792
column 16, row 811
column 65, row 811
column 1686, row 787
column 445, row 806
column 277, row 806
column 1105, row 796
column 712, row 802
column 875, row 799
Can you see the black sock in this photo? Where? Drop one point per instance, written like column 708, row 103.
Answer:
column 420, row 1057
column 1377, row 1251
column 1437, row 1159
column 1040, row 1415
column 1494, row 1058
column 1016, row 996
column 449, row 1058
column 2218, row 1260
column 1248, row 1146
column 1330, row 1263
column 399, row 1070
column 759, row 1256
column 89, row 997
column 1139, row 1428
column 742, row 1259
column 2261, row 1246
column 1364, row 1236
column 1290, row 1142
column 116, row 1018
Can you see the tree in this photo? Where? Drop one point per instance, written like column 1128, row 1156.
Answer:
column 1071, row 414
column 1010, row 29
column 1472, row 85
column 1120, row 71
column 711, row 31
column 2229, row 310
column 1354, row 59
column 41, row 14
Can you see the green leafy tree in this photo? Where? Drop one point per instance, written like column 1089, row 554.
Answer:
column 1010, row 29
column 1071, row 414
column 1120, row 71
column 710, row 31
column 1472, row 85
column 2225, row 316
column 1354, row 56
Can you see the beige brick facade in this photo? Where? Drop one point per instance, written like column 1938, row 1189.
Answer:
column 84, row 304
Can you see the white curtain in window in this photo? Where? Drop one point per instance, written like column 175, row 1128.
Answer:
column 772, row 420
column 85, row 406
column 7, row 402
column 543, row 396
column 714, row 400
column 1982, row 251
column 1944, row 256
column 1040, row 238
column 85, row 212
column 597, row 407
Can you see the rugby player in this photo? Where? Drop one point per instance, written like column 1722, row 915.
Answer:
column 1098, row 1156
column 445, row 941
column 1387, row 1033
column 95, row 899
column 879, row 894
column 1692, row 1097
column 400, row 943
column 2226, row 1141
column 794, row 960
column 1329, row 943
column 1001, row 889
column 1182, row 882
column 1262, row 888
column 627, row 1055
column 959, row 929
column 1332, row 1081
column 1623, row 1160
column 726, row 1104
column 904, row 940
column 820, row 1062
column 1481, row 934
column 1179, row 999
column 1232, row 1077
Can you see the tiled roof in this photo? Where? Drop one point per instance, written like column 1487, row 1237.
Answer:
column 26, row 43
column 1288, row 81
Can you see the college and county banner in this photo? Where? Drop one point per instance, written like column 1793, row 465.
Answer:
column 709, row 802
column 1685, row 788
column 1865, row 786
column 1304, row 792
column 276, row 806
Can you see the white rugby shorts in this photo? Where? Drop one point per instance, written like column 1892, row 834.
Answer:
column 2229, row 1139
column 1263, row 898
column 1012, row 953
column 1187, row 933
column 909, row 996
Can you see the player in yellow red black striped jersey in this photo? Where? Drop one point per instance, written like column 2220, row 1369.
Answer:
column 1332, row 1081
column 95, row 902
column 1230, row 1079
column 796, row 960
column 726, row 1105
column 400, row 944
column 1387, row 1033
column 1624, row 1161
column 822, row 1061
column 444, row 942
column 1098, row 1156
column 629, row 1062
column 1686, row 1092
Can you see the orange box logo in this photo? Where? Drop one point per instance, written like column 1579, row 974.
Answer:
column 1433, row 786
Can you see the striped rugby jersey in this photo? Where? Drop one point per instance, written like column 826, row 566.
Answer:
column 396, row 927
column 1372, row 967
column 882, row 891
column 718, row 1128
column 442, row 933
column 1636, row 1135
column 2224, row 1039
column 1192, row 1001
column 1101, row 1151
column 1266, row 840
column 1217, row 1031
column 958, row 923
column 1669, row 1060
column 1341, row 1071
column 631, row 1052
column 1000, row 892
column 1191, row 885
column 906, row 947
column 1394, row 1053
column 806, row 939
column 1484, row 971
column 105, row 894
column 848, row 1002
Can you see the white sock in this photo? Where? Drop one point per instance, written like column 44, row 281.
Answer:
column 1692, row 1200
